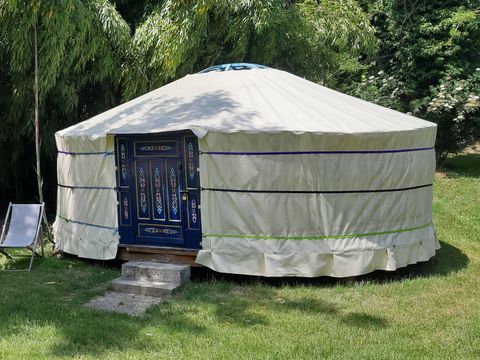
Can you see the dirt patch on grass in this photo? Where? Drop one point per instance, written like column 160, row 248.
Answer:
column 472, row 149
column 441, row 174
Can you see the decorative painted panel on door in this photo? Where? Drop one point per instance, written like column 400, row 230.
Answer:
column 160, row 231
column 122, row 160
column 159, row 190
column 173, row 191
column 192, row 182
column 160, row 148
column 142, row 174
column 125, row 213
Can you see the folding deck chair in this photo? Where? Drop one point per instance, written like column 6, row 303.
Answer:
column 22, row 229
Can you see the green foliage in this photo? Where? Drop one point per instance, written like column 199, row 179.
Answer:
column 415, row 57
column 81, row 46
column 320, row 40
column 455, row 106
column 428, row 49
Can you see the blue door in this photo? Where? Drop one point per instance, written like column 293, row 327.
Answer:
column 159, row 190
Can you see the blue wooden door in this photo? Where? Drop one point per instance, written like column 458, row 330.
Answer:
column 159, row 190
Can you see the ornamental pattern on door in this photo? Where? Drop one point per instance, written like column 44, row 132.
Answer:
column 159, row 190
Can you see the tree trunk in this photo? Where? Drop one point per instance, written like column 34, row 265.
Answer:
column 37, row 130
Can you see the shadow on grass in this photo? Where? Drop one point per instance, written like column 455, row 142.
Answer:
column 53, row 295
column 465, row 165
column 249, row 305
column 244, row 305
column 448, row 259
column 366, row 321
column 309, row 305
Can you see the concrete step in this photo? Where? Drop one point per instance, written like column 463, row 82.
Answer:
column 156, row 271
column 144, row 287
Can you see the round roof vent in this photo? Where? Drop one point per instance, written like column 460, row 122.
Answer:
column 233, row 66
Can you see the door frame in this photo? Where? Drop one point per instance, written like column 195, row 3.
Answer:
column 126, row 190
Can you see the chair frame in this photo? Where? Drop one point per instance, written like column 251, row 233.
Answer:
column 32, row 247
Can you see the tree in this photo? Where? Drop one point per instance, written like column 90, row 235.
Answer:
column 321, row 40
column 54, row 51
column 426, row 65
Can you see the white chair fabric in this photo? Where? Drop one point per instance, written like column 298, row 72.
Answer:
column 22, row 229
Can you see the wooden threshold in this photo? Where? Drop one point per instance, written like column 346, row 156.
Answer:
column 164, row 254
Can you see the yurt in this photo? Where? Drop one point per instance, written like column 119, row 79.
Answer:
column 254, row 170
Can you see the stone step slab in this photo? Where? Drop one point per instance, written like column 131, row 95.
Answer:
column 156, row 271
column 144, row 287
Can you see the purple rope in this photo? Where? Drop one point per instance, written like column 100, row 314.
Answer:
column 316, row 152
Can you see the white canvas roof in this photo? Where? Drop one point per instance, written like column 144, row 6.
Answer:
column 256, row 101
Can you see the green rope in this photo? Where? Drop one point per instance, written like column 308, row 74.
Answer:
column 317, row 237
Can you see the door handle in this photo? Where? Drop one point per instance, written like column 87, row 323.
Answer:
column 184, row 194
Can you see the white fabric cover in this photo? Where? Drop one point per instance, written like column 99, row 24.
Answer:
column 311, row 258
column 269, row 234
column 258, row 101
column 79, row 209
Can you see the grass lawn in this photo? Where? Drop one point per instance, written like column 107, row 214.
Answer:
column 430, row 310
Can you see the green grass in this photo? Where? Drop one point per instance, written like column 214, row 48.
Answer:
column 430, row 310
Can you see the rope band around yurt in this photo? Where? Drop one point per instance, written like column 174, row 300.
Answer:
column 345, row 236
column 104, row 153
column 88, row 187
column 87, row 224
column 317, row 191
column 333, row 152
